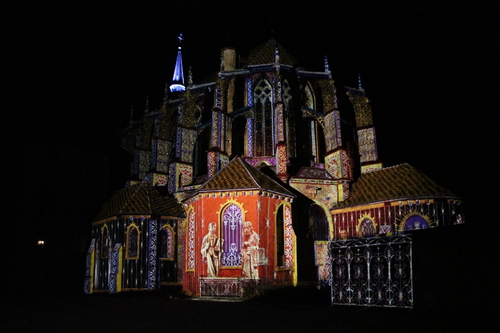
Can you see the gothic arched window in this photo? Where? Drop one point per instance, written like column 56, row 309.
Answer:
column 132, row 242
column 312, row 131
column 105, row 242
column 319, row 223
column 231, row 224
column 366, row 228
column 167, row 243
column 263, row 104
column 280, row 237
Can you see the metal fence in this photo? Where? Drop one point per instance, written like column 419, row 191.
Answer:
column 372, row 272
column 221, row 287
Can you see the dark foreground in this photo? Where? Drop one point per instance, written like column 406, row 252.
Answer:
column 296, row 310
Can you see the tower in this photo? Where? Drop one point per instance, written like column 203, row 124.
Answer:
column 178, row 77
column 367, row 139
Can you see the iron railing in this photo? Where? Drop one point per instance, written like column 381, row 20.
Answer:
column 372, row 272
column 226, row 287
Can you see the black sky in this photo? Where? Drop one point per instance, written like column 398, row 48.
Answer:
column 75, row 68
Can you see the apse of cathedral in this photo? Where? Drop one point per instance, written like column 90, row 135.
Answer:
column 244, row 178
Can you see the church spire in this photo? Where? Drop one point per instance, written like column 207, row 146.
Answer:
column 360, row 86
column 327, row 65
column 367, row 139
column 178, row 78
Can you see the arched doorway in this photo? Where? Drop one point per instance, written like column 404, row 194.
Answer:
column 318, row 223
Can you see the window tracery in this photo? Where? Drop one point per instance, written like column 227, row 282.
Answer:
column 231, row 228
column 263, row 104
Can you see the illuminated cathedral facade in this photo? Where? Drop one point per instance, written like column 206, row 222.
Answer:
column 245, row 177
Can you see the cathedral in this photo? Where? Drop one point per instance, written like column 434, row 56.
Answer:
column 243, row 179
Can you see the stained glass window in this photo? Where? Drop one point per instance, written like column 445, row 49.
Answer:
column 263, row 119
column 232, row 219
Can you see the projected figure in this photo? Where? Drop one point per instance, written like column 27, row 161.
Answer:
column 250, row 251
column 210, row 249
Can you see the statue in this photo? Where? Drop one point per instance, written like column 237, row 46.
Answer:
column 210, row 249
column 250, row 252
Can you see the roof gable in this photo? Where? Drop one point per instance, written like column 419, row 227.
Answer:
column 264, row 54
column 141, row 198
column 398, row 182
column 239, row 175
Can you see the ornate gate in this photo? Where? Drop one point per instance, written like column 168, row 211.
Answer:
column 372, row 272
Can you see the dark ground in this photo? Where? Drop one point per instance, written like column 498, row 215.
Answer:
column 301, row 309
column 455, row 290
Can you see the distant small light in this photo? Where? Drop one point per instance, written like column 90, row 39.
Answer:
column 41, row 242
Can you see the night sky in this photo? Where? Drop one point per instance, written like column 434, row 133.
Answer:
column 75, row 69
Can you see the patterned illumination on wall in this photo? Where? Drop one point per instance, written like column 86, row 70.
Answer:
column 333, row 164
column 415, row 222
column 190, row 243
column 167, row 243
column 152, row 254
column 366, row 142
column 288, row 237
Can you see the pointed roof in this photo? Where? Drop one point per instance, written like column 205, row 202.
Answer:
column 239, row 175
column 327, row 65
column 178, row 77
column 360, row 85
column 266, row 53
column 141, row 198
column 400, row 182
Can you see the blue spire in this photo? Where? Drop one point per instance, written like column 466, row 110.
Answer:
column 327, row 65
column 360, row 86
column 178, row 78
